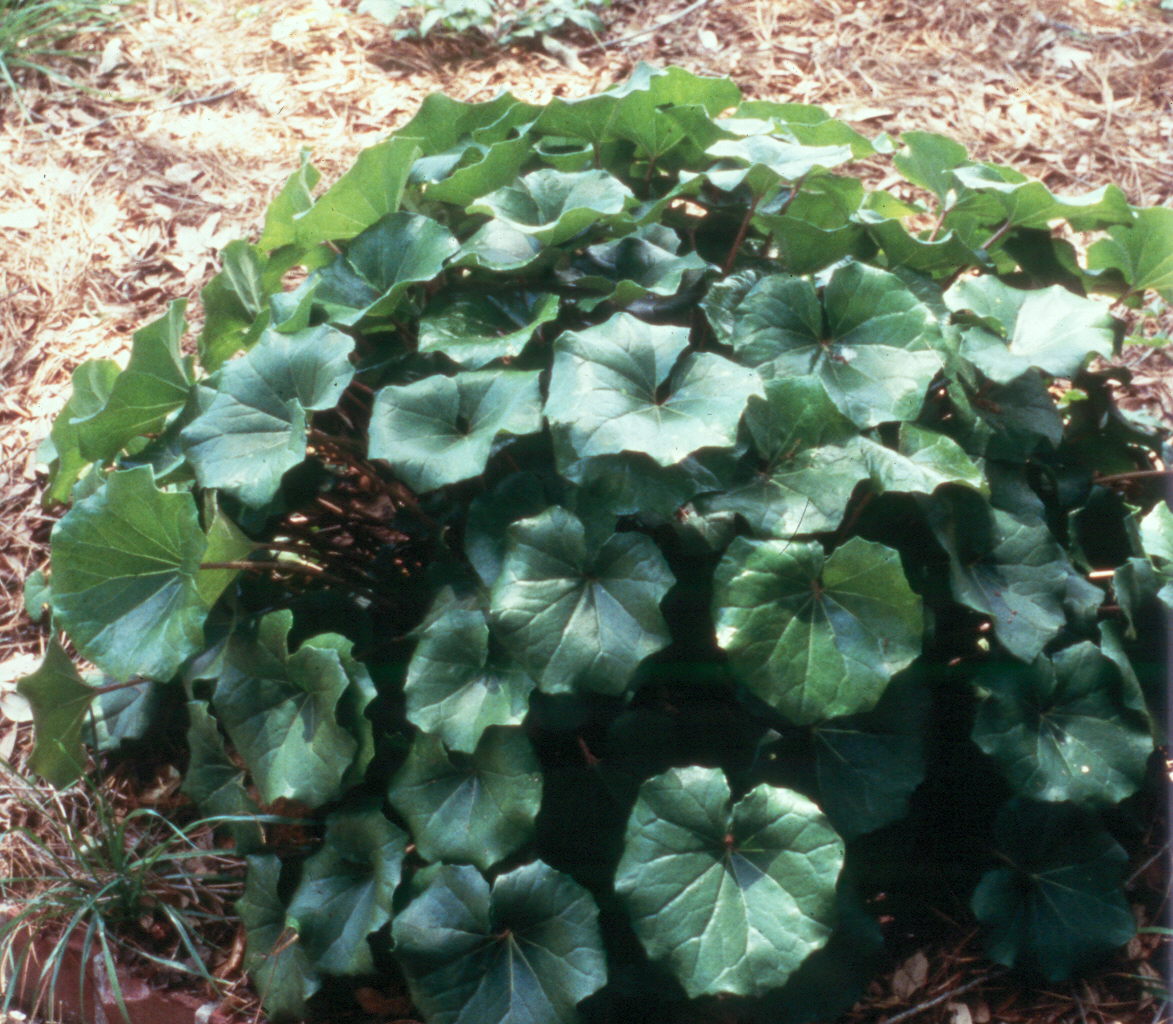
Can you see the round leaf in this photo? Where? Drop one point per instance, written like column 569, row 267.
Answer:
column 815, row 637
column 276, row 962
column 619, row 387
column 255, row 427
column 733, row 897
column 869, row 764
column 1048, row 327
column 870, row 341
column 469, row 808
column 281, row 711
column 61, row 702
column 457, row 687
column 578, row 616
column 125, row 562
column 441, row 430
column 552, row 206
column 526, row 952
column 1059, row 906
column 346, row 889
column 473, row 330
column 1060, row 728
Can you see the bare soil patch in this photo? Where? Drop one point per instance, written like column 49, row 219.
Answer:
column 116, row 200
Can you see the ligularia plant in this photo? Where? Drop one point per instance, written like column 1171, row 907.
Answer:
column 634, row 544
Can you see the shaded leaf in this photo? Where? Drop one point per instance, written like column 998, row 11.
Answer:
column 457, row 685
column 1061, row 728
column 869, row 764
column 214, row 783
column 346, row 888
column 731, row 896
column 579, row 616
column 815, row 637
column 254, row 429
column 281, row 711
column 1008, row 567
column 276, row 961
column 125, row 563
column 525, row 952
column 441, row 430
column 469, row 808
column 1058, row 907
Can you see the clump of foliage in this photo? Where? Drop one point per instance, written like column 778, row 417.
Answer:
column 503, row 22
column 636, row 544
column 117, row 884
column 34, row 34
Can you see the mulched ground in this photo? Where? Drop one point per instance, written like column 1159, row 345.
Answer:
column 117, row 200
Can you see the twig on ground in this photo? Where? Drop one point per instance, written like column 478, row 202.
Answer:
column 210, row 98
column 930, row 1003
column 695, row 5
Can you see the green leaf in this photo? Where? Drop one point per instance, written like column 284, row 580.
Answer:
column 500, row 247
column 815, row 637
column 458, row 685
column 295, row 197
column 525, row 952
column 625, row 386
column 214, row 782
column 517, row 496
column 992, row 194
column 868, row 765
column 552, row 206
column 579, row 616
column 282, row 712
column 234, row 301
column 154, row 384
column 371, row 189
column 124, row 564
column 372, row 277
column 346, row 889
column 646, row 262
column 874, row 356
column 276, row 961
column 802, row 494
column 92, row 383
column 441, row 430
column 763, row 161
column 469, row 808
column 60, row 702
column 1005, row 566
column 1048, row 328
column 37, row 595
column 1141, row 251
column 474, row 330
column 928, row 160
column 731, row 896
column 1156, row 532
column 1061, row 728
column 225, row 543
column 1059, row 907
column 255, row 427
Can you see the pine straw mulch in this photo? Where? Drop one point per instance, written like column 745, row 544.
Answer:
column 116, row 200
